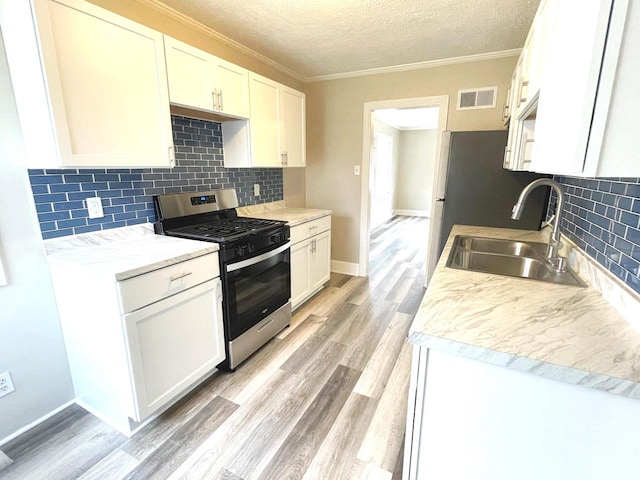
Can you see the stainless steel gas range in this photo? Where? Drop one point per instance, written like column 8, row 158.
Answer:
column 254, row 264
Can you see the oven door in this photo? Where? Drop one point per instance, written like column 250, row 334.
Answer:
column 255, row 288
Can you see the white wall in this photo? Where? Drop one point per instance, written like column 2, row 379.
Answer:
column 416, row 170
column 31, row 343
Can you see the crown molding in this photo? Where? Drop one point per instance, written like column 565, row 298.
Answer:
column 195, row 25
column 417, row 66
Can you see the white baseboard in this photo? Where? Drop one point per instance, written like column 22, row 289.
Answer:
column 412, row 213
column 346, row 268
column 22, row 430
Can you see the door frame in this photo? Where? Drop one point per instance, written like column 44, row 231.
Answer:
column 440, row 101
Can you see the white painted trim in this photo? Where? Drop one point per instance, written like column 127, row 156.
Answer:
column 416, row 66
column 37, row 422
column 412, row 213
column 195, row 25
column 442, row 102
column 346, row 268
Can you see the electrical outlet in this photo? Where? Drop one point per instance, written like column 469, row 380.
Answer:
column 94, row 205
column 256, row 189
column 6, row 385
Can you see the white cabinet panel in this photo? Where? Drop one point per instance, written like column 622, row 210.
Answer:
column 151, row 287
column 320, row 265
column 126, row 367
column 205, row 82
column 293, row 128
column 91, row 86
column 310, row 258
column 300, row 274
column 189, row 72
column 172, row 344
column 276, row 132
column 577, row 112
column 569, row 85
column 514, row 425
column 233, row 83
column 264, row 96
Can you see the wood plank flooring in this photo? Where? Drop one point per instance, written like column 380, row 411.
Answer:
column 325, row 399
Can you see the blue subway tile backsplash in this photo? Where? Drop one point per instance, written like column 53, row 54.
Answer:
column 603, row 217
column 126, row 193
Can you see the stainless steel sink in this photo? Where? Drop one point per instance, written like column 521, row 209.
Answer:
column 507, row 257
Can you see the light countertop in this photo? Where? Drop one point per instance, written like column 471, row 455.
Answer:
column 563, row 332
column 124, row 252
column 279, row 211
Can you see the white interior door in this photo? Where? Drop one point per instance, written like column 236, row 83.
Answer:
column 437, row 205
column 381, row 181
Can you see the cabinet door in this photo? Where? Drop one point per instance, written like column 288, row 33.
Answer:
column 109, row 75
column 293, row 127
column 320, row 265
column 572, row 62
column 190, row 75
column 264, row 95
column 232, row 83
column 173, row 343
column 300, row 273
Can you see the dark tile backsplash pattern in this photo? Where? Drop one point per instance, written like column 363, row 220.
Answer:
column 603, row 217
column 126, row 193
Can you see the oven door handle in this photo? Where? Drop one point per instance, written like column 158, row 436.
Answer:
column 232, row 267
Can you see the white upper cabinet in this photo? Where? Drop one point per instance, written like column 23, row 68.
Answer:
column 189, row 74
column 202, row 81
column 232, row 84
column 275, row 135
column 90, row 86
column 292, row 127
column 264, row 124
column 578, row 94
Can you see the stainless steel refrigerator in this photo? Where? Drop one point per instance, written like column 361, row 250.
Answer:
column 472, row 188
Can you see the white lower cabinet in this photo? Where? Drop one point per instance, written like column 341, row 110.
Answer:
column 310, row 259
column 300, row 277
column 172, row 343
column 468, row 419
column 135, row 346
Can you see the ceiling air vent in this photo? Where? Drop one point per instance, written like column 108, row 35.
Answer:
column 476, row 98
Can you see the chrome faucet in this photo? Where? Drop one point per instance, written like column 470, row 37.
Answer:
column 552, row 257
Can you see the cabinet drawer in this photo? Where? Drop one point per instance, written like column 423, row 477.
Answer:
column 151, row 287
column 309, row 229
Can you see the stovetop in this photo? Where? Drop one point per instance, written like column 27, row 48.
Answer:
column 226, row 229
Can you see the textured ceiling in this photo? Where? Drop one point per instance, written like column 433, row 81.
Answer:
column 325, row 37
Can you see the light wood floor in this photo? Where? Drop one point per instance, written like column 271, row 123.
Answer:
column 326, row 399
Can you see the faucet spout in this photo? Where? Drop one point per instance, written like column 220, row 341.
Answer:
column 552, row 257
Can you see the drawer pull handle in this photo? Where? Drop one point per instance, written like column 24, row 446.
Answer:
column 262, row 327
column 178, row 277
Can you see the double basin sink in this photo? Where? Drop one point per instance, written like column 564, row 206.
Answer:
column 507, row 257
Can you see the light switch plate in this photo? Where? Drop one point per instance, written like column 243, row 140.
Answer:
column 256, row 189
column 356, row 169
column 94, row 205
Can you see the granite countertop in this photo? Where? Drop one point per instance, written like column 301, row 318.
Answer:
column 562, row 332
column 124, row 252
column 279, row 211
